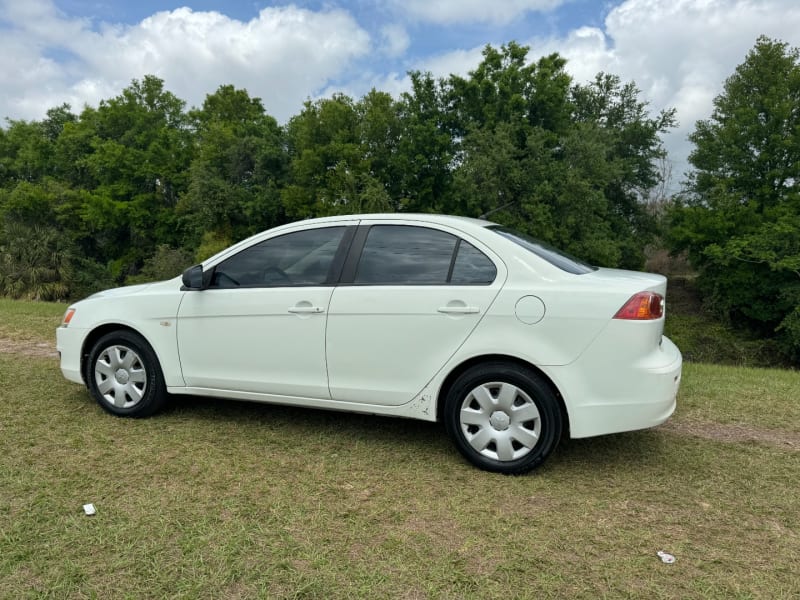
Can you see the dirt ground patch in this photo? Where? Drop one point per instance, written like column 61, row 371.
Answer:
column 718, row 432
column 28, row 348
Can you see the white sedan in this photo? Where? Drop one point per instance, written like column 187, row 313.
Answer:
column 509, row 342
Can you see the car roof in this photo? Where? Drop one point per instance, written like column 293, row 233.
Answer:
column 452, row 221
column 422, row 217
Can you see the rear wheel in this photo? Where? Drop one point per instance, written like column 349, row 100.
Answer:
column 502, row 417
column 124, row 376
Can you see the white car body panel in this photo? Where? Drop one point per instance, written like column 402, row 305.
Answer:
column 385, row 343
column 387, row 350
column 149, row 309
column 247, row 339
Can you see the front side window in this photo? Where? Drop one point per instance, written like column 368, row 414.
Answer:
column 409, row 255
column 294, row 259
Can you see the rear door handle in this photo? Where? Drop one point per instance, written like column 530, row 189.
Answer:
column 459, row 310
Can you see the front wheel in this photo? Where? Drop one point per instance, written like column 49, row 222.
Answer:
column 124, row 376
column 503, row 417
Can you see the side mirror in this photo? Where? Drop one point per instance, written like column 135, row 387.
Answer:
column 194, row 278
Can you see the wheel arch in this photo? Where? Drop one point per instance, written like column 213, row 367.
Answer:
column 95, row 334
column 477, row 360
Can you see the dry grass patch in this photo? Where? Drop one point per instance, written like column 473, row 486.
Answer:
column 781, row 438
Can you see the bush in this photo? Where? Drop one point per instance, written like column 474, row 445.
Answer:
column 166, row 263
column 35, row 263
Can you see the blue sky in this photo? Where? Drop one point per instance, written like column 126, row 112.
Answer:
column 678, row 52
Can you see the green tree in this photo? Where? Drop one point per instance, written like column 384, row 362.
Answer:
column 426, row 149
column 25, row 153
column 569, row 164
column 131, row 157
column 740, row 217
column 624, row 159
column 165, row 263
column 340, row 151
column 137, row 181
column 379, row 135
column 506, row 88
column 239, row 167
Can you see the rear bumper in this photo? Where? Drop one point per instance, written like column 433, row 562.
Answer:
column 616, row 397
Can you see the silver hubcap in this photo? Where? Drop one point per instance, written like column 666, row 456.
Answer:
column 500, row 421
column 120, row 376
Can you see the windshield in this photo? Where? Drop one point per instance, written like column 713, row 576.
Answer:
column 555, row 257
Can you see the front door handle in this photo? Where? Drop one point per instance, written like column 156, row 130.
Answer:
column 306, row 310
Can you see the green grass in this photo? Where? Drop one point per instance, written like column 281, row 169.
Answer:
column 214, row 499
column 766, row 398
column 30, row 321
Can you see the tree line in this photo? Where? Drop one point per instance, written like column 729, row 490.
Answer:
column 86, row 200
column 141, row 186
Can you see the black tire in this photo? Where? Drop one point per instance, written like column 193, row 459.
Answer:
column 503, row 418
column 123, row 375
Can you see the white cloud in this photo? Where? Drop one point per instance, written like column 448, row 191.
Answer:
column 395, row 40
column 472, row 11
column 458, row 62
column 283, row 56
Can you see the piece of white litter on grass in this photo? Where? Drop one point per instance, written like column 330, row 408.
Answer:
column 89, row 509
column 666, row 557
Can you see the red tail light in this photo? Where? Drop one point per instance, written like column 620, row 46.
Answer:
column 644, row 306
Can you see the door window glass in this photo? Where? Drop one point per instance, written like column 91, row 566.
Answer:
column 403, row 254
column 293, row 259
column 408, row 255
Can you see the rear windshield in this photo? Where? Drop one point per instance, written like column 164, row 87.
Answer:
column 555, row 257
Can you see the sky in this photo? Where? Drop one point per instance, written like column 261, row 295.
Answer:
column 678, row 52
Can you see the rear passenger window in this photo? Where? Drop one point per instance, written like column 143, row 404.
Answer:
column 408, row 255
column 472, row 267
column 401, row 254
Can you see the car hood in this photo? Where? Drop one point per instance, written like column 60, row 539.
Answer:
column 130, row 290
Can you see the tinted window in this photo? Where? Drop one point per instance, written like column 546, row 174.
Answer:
column 408, row 255
column 555, row 257
column 472, row 266
column 402, row 254
column 300, row 258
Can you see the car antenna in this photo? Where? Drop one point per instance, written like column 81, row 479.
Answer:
column 498, row 209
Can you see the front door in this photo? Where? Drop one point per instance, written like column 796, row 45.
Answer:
column 260, row 326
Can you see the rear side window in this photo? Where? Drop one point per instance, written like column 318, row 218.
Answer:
column 472, row 267
column 555, row 257
column 409, row 255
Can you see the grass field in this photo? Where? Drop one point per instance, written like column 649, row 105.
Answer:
column 215, row 499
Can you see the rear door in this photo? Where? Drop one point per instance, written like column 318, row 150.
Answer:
column 410, row 295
